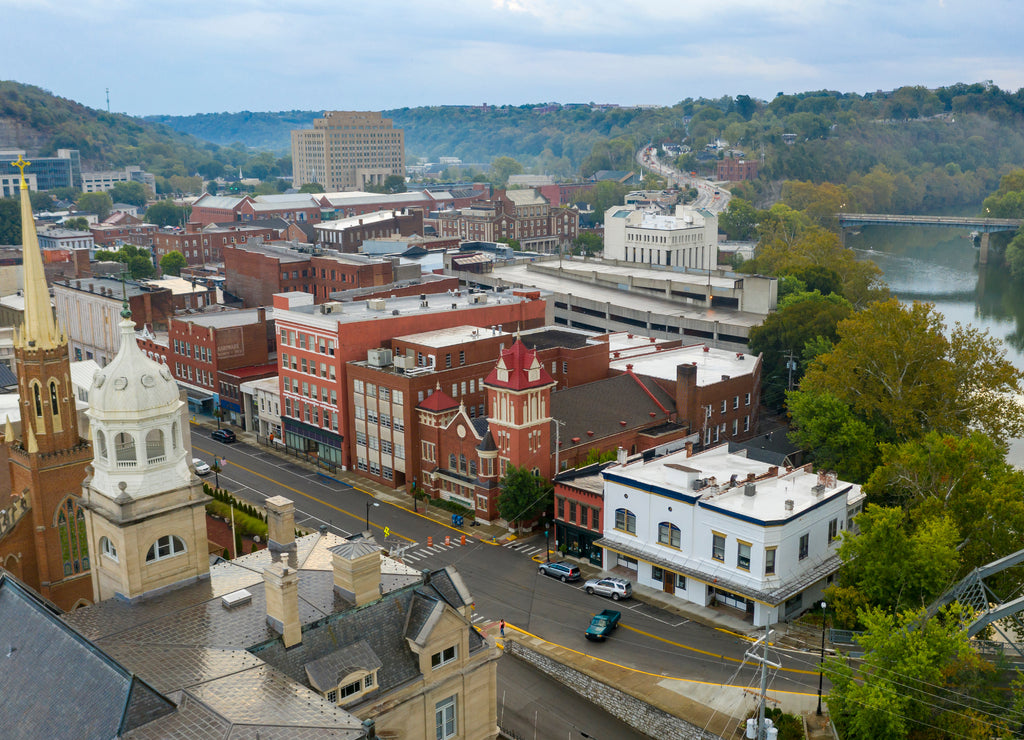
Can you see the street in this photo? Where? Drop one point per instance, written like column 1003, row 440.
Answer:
column 504, row 580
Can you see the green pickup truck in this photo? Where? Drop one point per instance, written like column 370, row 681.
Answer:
column 603, row 624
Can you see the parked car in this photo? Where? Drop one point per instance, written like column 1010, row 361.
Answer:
column 561, row 570
column 614, row 588
column 603, row 624
column 224, row 435
column 201, row 467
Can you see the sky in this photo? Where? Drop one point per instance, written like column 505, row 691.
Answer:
column 182, row 57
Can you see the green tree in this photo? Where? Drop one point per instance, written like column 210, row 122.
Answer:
column 918, row 678
column 166, row 213
column 523, row 495
column 172, row 262
column 588, row 243
column 312, row 187
column 41, row 201
column 133, row 193
column 739, row 221
column 835, row 437
column 10, row 221
column 502, row 168
column 394, row 184
column 68, row 194
column 800, row 318
column 895, row 368
column 78, row 223
column 139, row 261
column 98, row 203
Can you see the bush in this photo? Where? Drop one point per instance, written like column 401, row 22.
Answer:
column 452, row 507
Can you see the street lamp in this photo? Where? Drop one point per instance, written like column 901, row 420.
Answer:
column 821, row 666
column 370, row 504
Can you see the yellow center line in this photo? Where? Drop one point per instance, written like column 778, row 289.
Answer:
column 509, row 627
column 705, row 652
column 306, row 495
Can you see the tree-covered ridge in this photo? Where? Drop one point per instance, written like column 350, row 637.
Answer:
column 112, row 140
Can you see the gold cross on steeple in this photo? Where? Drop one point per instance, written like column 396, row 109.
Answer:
column 21, row 164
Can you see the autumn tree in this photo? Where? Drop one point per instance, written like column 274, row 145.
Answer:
column 896, row 369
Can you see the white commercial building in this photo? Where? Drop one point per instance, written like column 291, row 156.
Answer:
column 261, row 407
column 721, row 527
column 687, row 239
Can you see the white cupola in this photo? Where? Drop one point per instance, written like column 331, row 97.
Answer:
column 135, row 415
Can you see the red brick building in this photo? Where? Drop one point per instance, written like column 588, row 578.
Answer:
column 220, row 209
column 348, row 234
column 523, row 215
column 122, row 228
column 198, row 347
column 579, row 511
column 204, row 244
column 255, row 272
column 316, row 342
column 343, row 205
column 736, row 169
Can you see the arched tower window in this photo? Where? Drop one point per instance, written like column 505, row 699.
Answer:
column 124, row 449
column 37, row 398
column 155, row 446
column 54, row 408
column 101, row 444
column 74, row 547
column 166, row 547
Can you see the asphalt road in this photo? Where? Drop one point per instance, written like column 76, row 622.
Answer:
column 504, row 580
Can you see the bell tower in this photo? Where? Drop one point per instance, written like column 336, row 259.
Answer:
column 519, row 410
column 48, row 462
column 145, row 506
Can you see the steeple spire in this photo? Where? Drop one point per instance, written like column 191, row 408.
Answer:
column 40, row 330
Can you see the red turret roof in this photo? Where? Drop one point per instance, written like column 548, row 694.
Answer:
column 438, row 401
column 515, row 367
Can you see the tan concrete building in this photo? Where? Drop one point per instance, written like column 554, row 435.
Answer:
column 347, row 150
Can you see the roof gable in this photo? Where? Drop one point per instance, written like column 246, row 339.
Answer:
column 519, row 369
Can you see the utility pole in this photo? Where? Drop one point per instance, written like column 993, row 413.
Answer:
column 762, row 731
column 108, row 100
column 558, row 440
column 790, row 366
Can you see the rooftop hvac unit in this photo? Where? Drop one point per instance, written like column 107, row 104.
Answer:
column 330, row 307
column 404, row 363
column 480, row 298
column 376, row 304
column 378, row 357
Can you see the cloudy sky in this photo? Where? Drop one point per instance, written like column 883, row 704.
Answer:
column 182, row 56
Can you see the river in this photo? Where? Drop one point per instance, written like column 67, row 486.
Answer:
column 938, row 266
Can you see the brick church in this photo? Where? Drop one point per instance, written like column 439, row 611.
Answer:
column 42, row 526
column 463, row 457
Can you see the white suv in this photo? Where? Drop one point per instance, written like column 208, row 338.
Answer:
column 616, row 588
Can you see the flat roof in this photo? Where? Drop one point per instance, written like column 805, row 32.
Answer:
column 347, row 223
column 112, row 284
column 659, row 306
column 712, row 364
column 222, row 319
column 451, row 336
column 620, row 341
column 177, row 285
column 676, row 472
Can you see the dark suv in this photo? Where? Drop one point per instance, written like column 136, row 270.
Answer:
column 224, row 435
column 561, row 570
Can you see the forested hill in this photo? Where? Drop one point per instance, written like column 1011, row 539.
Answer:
column 39, row 122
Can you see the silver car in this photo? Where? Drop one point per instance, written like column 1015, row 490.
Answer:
column 615, row 588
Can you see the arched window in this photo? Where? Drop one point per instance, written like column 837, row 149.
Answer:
column 451, row 462
column 625, row 521
column 74, row 548
column 174, row 436
column 124, row 450
column 54, row 408
column 669, row 534
column 472, row 468
column 108, row 549
column 37, row 398
column 462, row 463
column 166, row 547
column 155, row 446
column 101, row 445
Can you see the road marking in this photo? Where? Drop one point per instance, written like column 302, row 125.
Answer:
column 306, row 495
column 707, row 652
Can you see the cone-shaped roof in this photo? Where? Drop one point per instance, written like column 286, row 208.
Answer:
column 40, row 329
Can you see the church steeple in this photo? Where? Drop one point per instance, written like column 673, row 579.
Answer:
column 39, row 329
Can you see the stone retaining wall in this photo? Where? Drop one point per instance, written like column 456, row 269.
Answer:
column 629, row 709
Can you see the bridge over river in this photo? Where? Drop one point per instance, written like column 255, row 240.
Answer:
column 983, row 226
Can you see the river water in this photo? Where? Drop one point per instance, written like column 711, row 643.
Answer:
column 939, row 266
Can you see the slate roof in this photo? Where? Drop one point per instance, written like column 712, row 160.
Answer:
column 602, row 405
column 327, row 672
column 479, row 424
column 54, row 683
